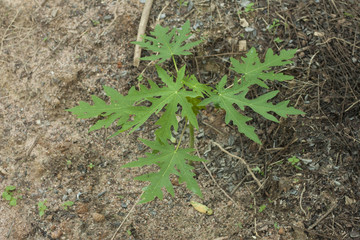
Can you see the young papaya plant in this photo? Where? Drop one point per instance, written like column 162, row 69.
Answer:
column 182, row 95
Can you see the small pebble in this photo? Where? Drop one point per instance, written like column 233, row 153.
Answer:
column 98, row 217
column 78, row 196
column 108, row 17
column 123, row 73
column 244, row 3
column 293, row 192
column 82, row 208
column 337, row 183
column 124, row 205
column 102, row 193
column 65, row 197
column 57, row 234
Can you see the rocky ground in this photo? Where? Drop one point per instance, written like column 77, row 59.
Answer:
column 54, row 53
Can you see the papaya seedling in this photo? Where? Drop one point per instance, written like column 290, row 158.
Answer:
column 182, row 96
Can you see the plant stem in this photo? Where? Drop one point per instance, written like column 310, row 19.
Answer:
column 173, row 58
column 181, row 136
column 192, row 138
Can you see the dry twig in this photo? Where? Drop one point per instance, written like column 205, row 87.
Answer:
column 243, row 162
column 28, row 152
column 127, row 215
column 7, row 29
column 333, row 206
column 300, row 203
column 142, row 26
column 227, row 195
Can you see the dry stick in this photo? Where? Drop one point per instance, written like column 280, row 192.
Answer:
column 227, row 195
column 238, row 185
column 353, row 50
column 7, row 29
column 142, row 26
column 159, row 16
column 242, row 161
column 323, row 216
column 150, row 63
column 352, row 105
column 10, row 229
column 300, row 203
column 255, row 218
column 214, row 128
column 127, row 215
column 340, row 39
column 28, row 152
column 113, row 21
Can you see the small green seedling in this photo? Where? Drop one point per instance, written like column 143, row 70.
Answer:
column 140, row 78
column 91, row 165
column 278, row 40
column 294, row 162
column 262, row 208
column 8, row 195
column 68, row 163
column 258, row 170
column 248, row 8
column 180, row 97
column 42, row 207
column 95, row 22
column 274, row 25
column 348, row 15
column 183, row 3
column 276, row 226
column 67, row 204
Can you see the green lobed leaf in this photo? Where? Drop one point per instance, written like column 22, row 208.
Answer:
column 196, row 86
column 225, row 99
column 170, row 96
column 120, row 108
column 252, row 69
column 171, row 161
column 256, row 72
column 130, row 115
column 167, row 44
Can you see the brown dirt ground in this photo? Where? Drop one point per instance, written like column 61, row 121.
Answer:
column 55, row 53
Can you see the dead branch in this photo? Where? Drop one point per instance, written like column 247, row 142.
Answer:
column 142, row 27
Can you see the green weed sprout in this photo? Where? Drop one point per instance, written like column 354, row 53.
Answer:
column 8, row 195
column 67, row 204
column 91, row 166
column 181, row 95
column 262, row 208
column 42, row 207
column 294, row 162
